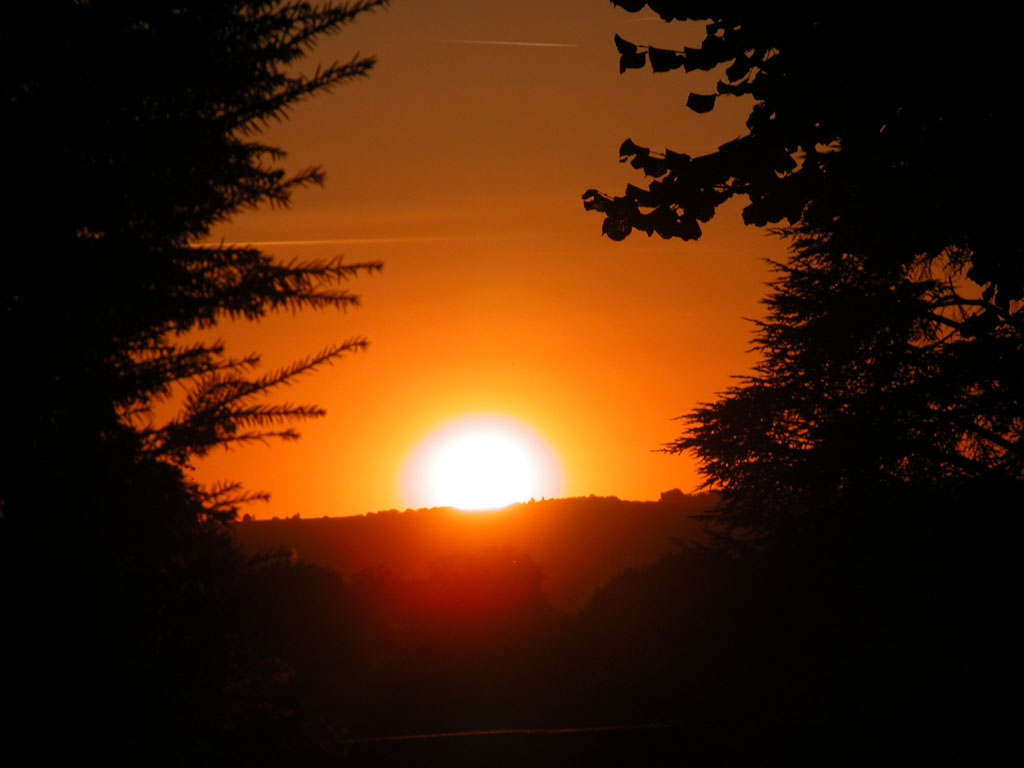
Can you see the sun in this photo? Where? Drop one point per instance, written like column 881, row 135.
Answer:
column 481, row 462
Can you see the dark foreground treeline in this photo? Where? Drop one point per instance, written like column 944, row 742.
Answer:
column 881, row 638
column 881, row 641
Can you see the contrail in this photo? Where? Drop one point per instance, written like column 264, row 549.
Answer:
column 519, row 43
column 339, row 241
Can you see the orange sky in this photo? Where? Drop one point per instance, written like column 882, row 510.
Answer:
column 461, row 165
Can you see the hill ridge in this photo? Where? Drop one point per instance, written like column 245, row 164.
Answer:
column 579, row 542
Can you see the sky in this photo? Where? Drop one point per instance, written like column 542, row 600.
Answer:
column 460, row 163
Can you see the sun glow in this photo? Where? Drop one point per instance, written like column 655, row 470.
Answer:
column 481, row 463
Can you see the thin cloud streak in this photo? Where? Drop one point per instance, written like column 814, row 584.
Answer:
column 518, row 43
column 339, row 241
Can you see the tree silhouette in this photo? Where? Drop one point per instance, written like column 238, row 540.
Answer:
column 894, row 331
column 858, row 148
column 133, row 129
column 146, row 123
column 882, row 424
column 867, row 390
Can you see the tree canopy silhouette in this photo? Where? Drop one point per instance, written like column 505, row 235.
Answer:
column 892, row 345
column 854, row 143
column 870, row 467
column 138, row 128
column 133, row 129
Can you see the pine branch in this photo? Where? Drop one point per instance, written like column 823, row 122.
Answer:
column 220, row 404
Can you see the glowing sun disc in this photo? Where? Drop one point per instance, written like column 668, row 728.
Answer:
column 481, row 462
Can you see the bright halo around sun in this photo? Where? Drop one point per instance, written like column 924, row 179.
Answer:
column 480, row 463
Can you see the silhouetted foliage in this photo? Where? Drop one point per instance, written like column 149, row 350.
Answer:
column 849, row 142
column 144, row 125
column 883, row 420
column 471, row 644
column 892, row 346
column 868, row 385
column 134, row 130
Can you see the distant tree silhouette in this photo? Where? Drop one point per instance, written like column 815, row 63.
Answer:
column 894, row 336
column 474, row 644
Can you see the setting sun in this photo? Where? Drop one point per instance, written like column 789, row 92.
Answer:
column 481, row 462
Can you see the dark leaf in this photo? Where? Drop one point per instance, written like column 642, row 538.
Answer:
column 739, row 68
column 639, row 154
column 625, row 47
column 701, row 103
column 655, row 166
column 739, row 89
column 698, row 58
column 688, row 228
column 595, row 201
column 664, row 60
column 628, row 148
column 758, row 214
column 640, row 161
column 662, row 220
column 676, row 160
column 632, row 61
column 616, row 228
column 641, row 196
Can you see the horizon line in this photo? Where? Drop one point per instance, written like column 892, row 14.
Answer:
column 449, row 508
